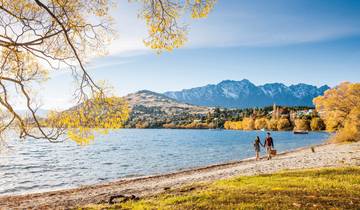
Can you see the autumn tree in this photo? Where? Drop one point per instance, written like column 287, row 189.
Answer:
column 302, row 124
column 162, row 19
column 272, row 124
column 339, row 107
column 261, row 123
column 236, row 125
column 40, row 37
column 351, row 130
column 228, row 125
column 248, row 123
column 283, row 124
column 317, row 124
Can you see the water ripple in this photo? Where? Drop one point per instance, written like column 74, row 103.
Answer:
column 33, row 166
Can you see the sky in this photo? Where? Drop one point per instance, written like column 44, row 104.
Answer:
column 265, row 41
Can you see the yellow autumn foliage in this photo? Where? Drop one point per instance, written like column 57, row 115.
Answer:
column 97, row 115
column 261, row 123
column 248, row 123
column 162, row 20
column 302, row 125
column 339, row 107
column 272, row 124
column 230, row 125
column 39, row 37
column 283, row 124
column 351, row 130
column 317, row 124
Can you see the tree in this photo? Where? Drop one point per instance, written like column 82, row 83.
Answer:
column 248, row 123
column 261, row 123
column 351, row 130
column 302, row 125
column 283, row 124
column 339, row 107
column 38, row 37
column 317, row 124
column 272, row 124
column 237, row 125
column 162, row 17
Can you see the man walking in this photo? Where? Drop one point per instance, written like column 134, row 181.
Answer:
column 269, row 145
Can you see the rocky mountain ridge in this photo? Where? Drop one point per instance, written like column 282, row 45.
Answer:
column 244, row 94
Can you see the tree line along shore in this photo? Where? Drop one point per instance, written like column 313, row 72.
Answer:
column 278, row 119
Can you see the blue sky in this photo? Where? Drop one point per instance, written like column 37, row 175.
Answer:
column 298, row 41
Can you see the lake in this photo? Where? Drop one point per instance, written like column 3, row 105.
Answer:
column 35, row 166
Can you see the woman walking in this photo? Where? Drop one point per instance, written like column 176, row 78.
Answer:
column 257, row 144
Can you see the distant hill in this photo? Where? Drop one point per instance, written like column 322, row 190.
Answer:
column 154, row 109
column 164, row 104
column 244, row 94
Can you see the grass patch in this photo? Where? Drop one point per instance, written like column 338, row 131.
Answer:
column 329, row 188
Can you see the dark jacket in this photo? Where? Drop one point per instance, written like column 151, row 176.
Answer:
column 269, row 142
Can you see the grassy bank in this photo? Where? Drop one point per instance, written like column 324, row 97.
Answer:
column 337, row 188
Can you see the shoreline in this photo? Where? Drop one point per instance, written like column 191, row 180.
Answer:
column 158, row 175
column 326, row 155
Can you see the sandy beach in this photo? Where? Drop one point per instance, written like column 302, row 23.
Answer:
column 327, row 155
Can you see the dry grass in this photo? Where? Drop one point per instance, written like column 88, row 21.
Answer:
column 336, row 188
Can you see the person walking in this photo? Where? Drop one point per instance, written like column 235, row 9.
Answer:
column 269, row 145
column 257, row 144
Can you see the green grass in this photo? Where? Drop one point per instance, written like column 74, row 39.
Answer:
column 329, row 188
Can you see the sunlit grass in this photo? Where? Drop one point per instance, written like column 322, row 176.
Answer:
column 336, row 188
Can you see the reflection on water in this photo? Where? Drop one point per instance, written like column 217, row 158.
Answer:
column 33, row 165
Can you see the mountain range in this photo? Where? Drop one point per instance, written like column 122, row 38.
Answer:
column 245, row 94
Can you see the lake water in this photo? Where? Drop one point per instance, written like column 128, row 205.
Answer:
column 35, row 166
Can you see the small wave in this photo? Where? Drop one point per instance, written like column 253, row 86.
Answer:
column 108, row 163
